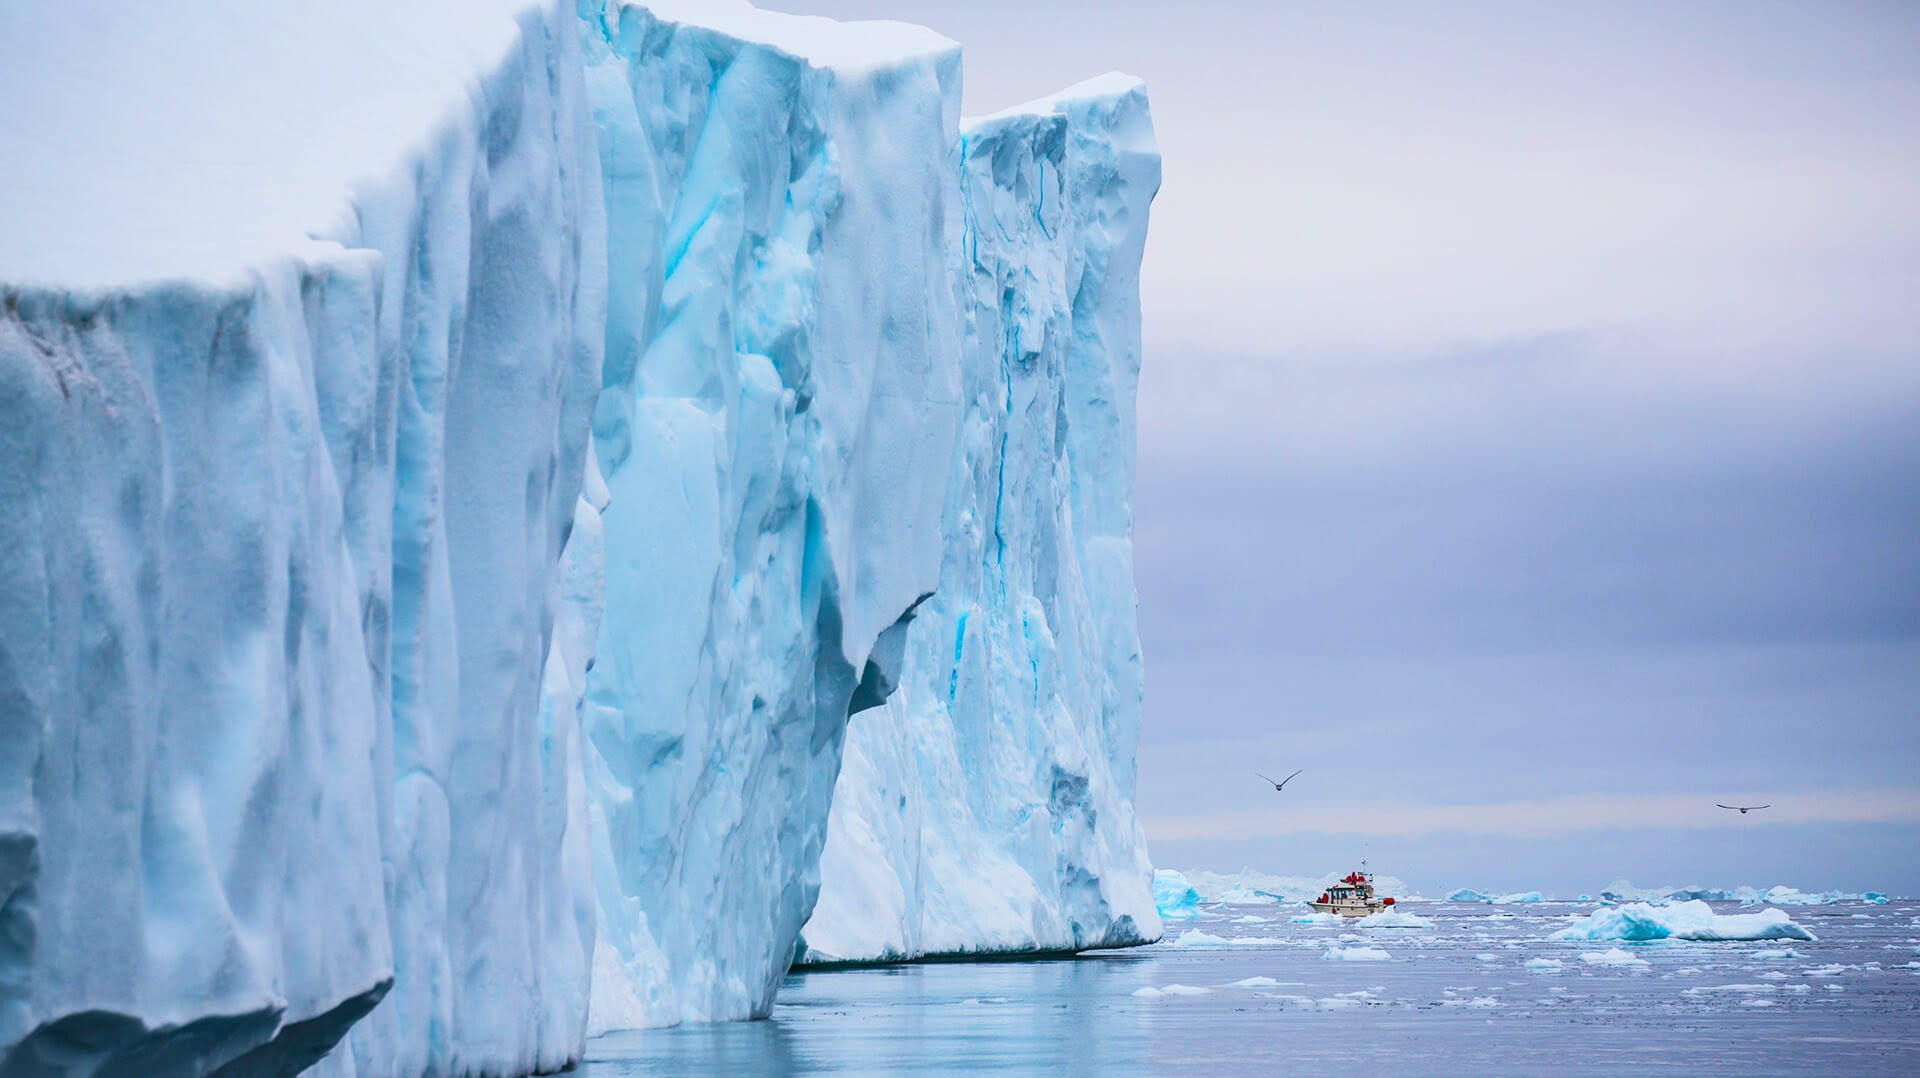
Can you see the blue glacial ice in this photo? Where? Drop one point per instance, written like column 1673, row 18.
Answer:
column 1174, row 897
column 987, row 805
column 1780, row 895
column 455, row 534
column 1468, row 894
column 1691, row 920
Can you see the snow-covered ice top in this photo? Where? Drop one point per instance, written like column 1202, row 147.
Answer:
column 198, row 141
column 849, row 47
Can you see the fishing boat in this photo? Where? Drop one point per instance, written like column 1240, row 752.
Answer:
column 1352, row 896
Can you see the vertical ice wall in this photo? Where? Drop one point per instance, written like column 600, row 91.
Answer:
column 987, row 807
column 781, row 377
column 421, row 629
column 276, row 563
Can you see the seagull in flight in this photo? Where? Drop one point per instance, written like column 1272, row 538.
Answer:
column 1742, row 809
column 1282, row 784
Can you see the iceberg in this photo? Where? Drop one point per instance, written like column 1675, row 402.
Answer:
column 609, row 486
column 1692, row 920
column 1468, row 894
column 1174, row 897
column 987, row 805
column 295, row 438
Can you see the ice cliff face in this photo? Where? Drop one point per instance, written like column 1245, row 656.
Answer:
column 987, row 807
column 432, row 605
column 782, row 374
column 274, row 605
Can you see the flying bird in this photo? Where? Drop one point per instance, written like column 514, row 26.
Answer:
column 1282, row 784
column 1742, row 809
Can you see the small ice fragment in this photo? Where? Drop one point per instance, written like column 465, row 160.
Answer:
column 1171, row 990
column 1611, row 957
column 1355, row 954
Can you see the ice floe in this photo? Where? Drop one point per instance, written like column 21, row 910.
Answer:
column 1356, row 954
column 1613, row 956
column 1150, row 992
column 1392, row 919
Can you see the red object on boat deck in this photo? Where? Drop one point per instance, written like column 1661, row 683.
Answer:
column 1386, row 902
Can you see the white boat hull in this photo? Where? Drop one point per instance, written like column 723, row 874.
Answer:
column 1347, row 909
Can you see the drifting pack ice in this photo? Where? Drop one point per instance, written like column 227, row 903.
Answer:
column 472, row 474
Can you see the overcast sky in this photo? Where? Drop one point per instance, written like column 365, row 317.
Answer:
column 1530, row 431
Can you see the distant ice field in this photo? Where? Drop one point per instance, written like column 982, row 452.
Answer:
column 1251, row 989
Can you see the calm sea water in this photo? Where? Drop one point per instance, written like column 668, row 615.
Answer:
column 1458, row 997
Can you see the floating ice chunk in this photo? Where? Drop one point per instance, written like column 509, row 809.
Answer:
column 1487, row 957
column 1151, row 992
column 1773, row 975
column 1393, row 919
column 1468, row 894
column 1756, row 1003
column 1829, row 970
column 1327, row 919
column 1355, row 954
column 1611, row 957
column 1751, row 989
column 1693, row 920
column 1193, row 937
column 1255, row 982
column 1545, row 965
column 1174, row 896
column 1777, row 952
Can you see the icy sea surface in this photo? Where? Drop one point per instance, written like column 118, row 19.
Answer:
column 1247, row 988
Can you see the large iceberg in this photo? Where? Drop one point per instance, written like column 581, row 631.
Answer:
column 1689, row 920
column 988, row 805
column 445, row 540
column 289, row 462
